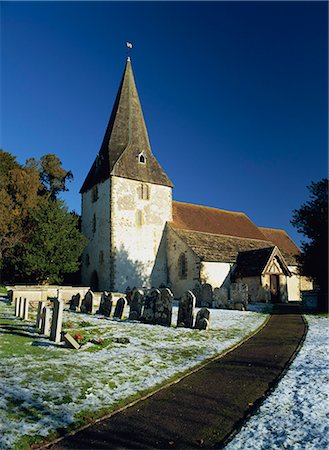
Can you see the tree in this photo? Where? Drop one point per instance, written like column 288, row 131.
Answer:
column 311, row 219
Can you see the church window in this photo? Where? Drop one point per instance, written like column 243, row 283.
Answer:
column 101, row 257
column 139, row 218
column 94, row 223
column 141, row 158
column 182, row 266
column 87, row 260
column 94, row 194
column 143, row 191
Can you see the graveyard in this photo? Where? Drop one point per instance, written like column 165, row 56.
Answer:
column 52, row 386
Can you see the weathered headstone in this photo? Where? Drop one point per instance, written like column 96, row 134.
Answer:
column 206, row 294
column 186, row 310
column 221, row 298
column 41, row 305
column 75, row 302
column 197, row 291
column 105, row 306
column 56, row 323
column 70, row 341
column 163, row 307
column 120, row 308
column 136, row 304
column 202, row 319
column 45, row 321
column 150, row 301
column 16, row 306
column 88, row 302
column 239, row 294
column 26, row 309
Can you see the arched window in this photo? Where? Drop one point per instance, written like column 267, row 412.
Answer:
column 143, row 191
column 139, row 218
column 94, row 223
column 182, row 266
column 141, row 158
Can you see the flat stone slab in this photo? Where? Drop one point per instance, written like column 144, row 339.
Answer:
column 203, row 409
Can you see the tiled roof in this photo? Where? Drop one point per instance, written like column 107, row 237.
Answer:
column 212, row 220
column 125, row 138
column 282, row 240
column 217, row 248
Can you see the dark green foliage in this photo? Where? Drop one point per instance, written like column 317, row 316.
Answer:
column 311, row 219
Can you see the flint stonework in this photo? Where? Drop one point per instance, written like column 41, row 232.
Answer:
column 186, row 310
column 120, row 308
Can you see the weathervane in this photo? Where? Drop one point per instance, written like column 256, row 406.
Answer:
column 129, row 47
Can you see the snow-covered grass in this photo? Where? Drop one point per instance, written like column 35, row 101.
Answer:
column 46, row 387
column 295, row 416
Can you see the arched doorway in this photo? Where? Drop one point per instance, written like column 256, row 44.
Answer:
column 94, row 281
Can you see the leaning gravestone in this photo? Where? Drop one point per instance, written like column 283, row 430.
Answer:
column 206, row 294
column 186, row 310
column 70, row 341
column 220, row 298
column 120, row 308
column 202, row 319
column 75, row 302
column 150, row 301
column 163, row 307
column 88, row 302
column 136, row 304
column 56, row 323
column 45, row 321
column 105, row 306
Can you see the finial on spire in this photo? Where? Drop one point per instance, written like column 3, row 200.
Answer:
column 129, row 46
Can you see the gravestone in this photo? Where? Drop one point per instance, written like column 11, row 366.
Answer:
column 41, row 305
column 202, row 319
column 75, row 302
column 206, row 294
column 105, row 306
column 129, row 293
column 136, row 304
column 186, row 310
column 221, row 298
column 16, row 306
column 197, row 291
column 56, row 323
column 20, row 306
column 239, row 294
column 88, row 302
column 239, row 306
column 150, row 301
column 26, row 309
column 163, row 307
column 120, row 308
column 45, row 321
column 70, row 341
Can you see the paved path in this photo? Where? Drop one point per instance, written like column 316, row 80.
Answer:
column 203, row 409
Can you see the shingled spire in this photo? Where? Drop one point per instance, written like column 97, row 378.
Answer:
column 126, row 150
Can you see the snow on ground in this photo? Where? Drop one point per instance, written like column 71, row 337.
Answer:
column 295, row 416
column 45, row 386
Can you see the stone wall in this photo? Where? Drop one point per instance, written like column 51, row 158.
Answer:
column 175, row 247
column 137, row 235
column 38, row 293
column 98, row 241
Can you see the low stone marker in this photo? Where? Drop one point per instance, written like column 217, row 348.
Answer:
column 151, row 299
column 105, row 306
column 163, row 307
column 26, row 309
column 186, row 310
column 136, row 304
column 202, row 319
column 88, row 302
column 45, row 321
column 41, row 305
column 75, row 302
column 70, row 341
column 56, row 323
column 120, row 308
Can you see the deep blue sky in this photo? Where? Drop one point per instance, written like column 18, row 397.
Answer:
column 234, row 94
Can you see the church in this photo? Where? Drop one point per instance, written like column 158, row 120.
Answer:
column 139, row 237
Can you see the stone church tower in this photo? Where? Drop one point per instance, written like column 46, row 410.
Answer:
column 126, row 202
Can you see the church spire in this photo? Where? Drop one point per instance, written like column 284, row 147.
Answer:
column 126, row 150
